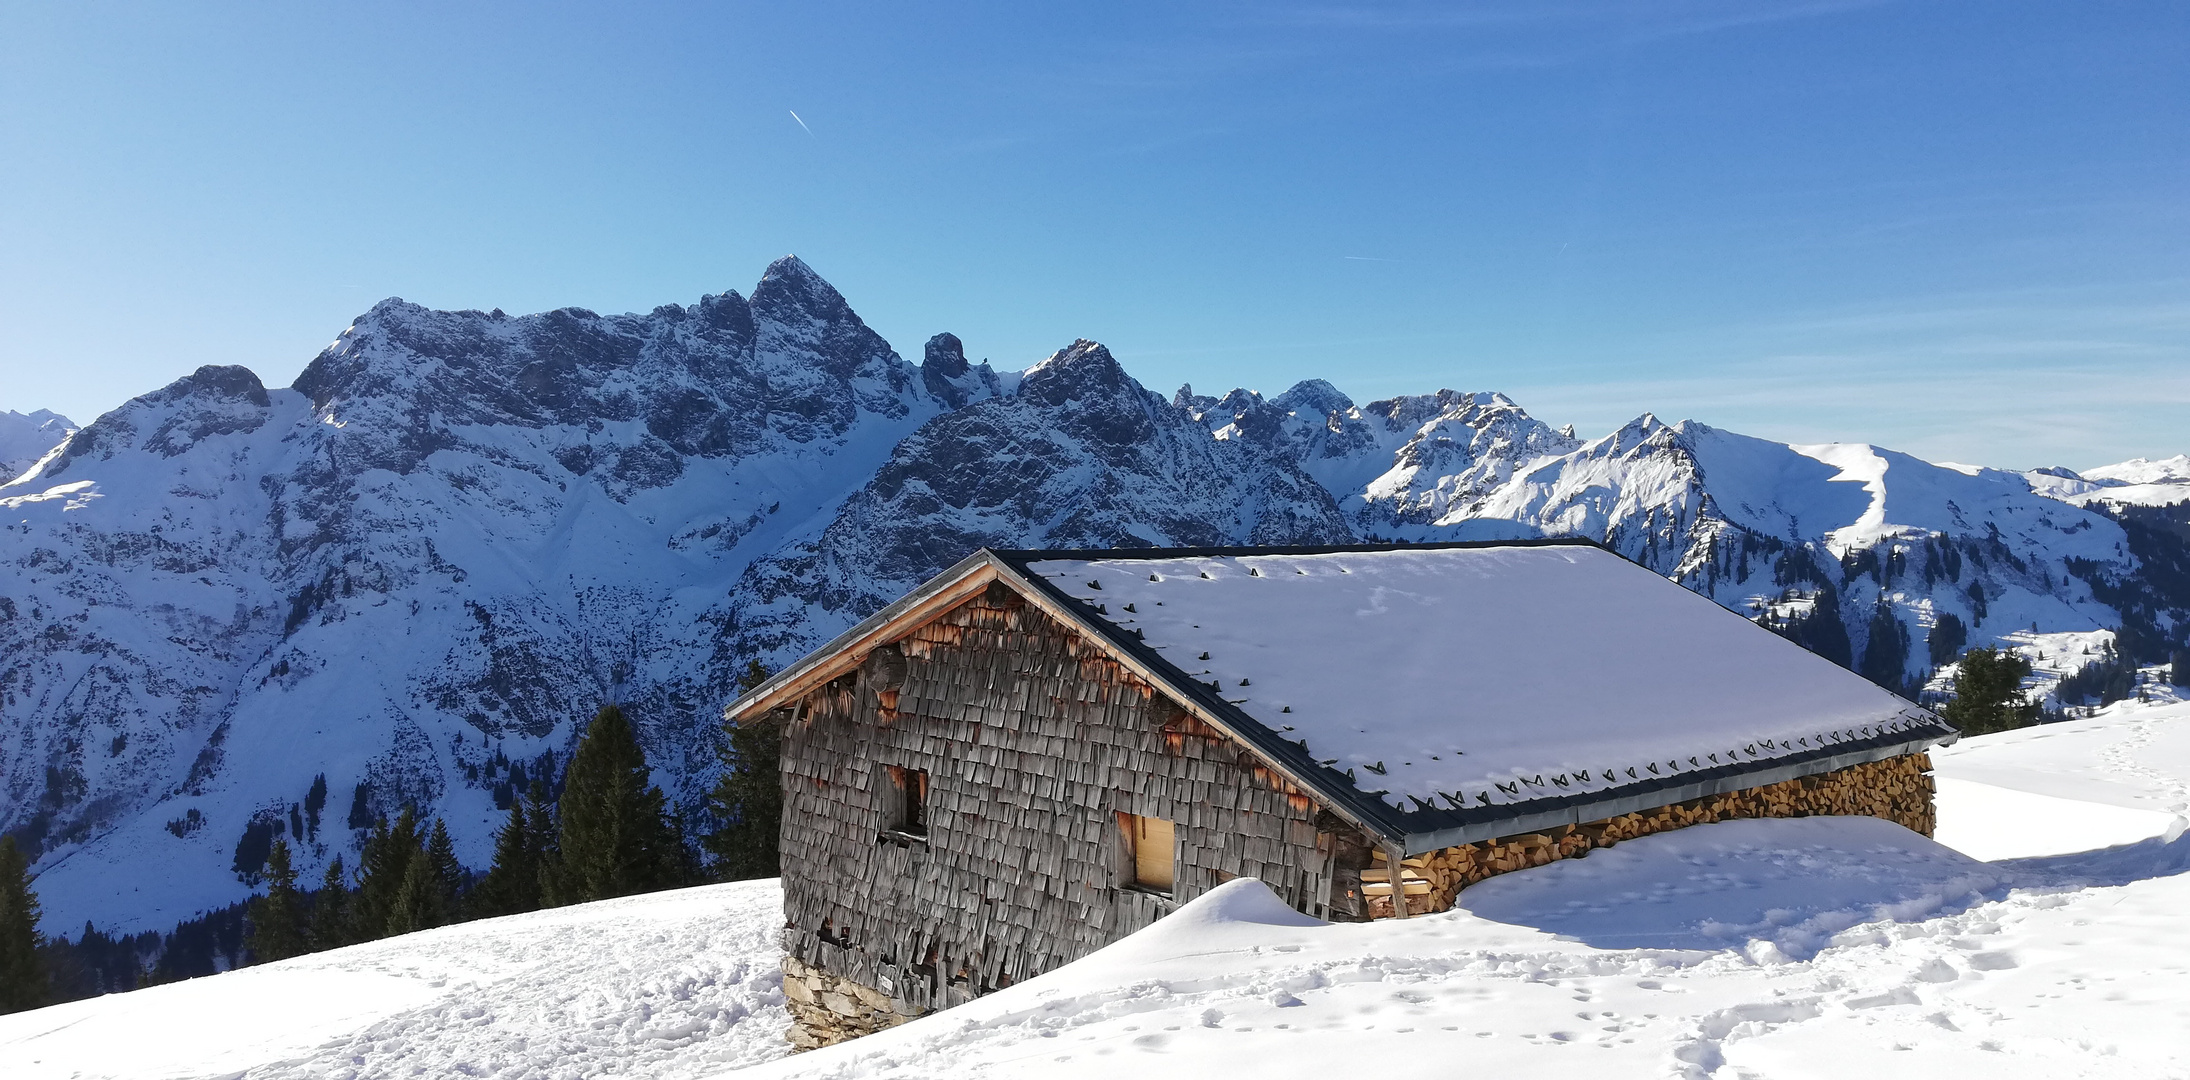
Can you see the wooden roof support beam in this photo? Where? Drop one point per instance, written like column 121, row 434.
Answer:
column 1396, row 858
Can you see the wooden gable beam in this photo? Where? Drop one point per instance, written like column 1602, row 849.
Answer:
column 849, row 650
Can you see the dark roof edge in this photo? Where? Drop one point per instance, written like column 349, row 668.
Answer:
column 1019, row 558
column 1577, row 809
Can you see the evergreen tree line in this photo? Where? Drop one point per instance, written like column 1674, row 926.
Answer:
column 610, row 833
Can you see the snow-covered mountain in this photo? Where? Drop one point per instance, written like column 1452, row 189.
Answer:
column 26, row 438
column 2136, row 482
column 409, row 576
column 1078, row 455
column 455, row 536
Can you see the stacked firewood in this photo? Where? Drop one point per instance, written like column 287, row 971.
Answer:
column 1898, row 789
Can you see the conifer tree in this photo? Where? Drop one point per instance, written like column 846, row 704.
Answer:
column 1988, row 693
column 331, row 925
column 383, row 864
column 447, row 873
column 748, row 800
column 547, row 847
column 616, row 837
column 512, row 883
column 417, row 902
column 23, row 983
column 277, row 919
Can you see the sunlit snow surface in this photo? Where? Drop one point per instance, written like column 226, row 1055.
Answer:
column 672, row 985
column 1492, row 675
column 1820, row 947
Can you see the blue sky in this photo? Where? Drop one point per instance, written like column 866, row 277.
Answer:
column 1957, row 229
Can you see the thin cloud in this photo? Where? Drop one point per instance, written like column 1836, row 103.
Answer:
column 801, row 123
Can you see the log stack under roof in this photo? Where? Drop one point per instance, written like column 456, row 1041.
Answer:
column 1897, row 789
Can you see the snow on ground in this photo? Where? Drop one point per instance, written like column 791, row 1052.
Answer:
column 1818, row 947
column 670, row 985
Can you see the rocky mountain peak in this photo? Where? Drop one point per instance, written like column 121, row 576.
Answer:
column 1191, row 402
column 1082, row 371
column 945, row 355
column 790, row 292
column 215, row 382
column 217, row 399
column 953, row 381
column 1313, row 396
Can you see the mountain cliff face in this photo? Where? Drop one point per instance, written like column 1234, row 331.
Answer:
column 410, row 575
column 1078, row 456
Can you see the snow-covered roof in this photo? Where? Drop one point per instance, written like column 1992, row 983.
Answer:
column 1444, row 693
column 1468, row 677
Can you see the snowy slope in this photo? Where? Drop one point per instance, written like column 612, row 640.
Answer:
column 1755, row 524
column 2136, row 482
column 2145, row 471
column 676, row 984
column 26, row 438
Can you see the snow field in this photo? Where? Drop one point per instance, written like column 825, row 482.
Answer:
column 665, row 986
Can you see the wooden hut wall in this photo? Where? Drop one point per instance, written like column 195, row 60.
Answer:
column 1033, row 741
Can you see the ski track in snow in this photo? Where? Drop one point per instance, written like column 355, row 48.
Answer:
column 1820, row 947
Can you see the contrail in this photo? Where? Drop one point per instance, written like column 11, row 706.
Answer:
column 1365, row 258
column 801, row 123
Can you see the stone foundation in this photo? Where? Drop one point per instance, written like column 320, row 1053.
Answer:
column 827, row 1009
column 1897, row 789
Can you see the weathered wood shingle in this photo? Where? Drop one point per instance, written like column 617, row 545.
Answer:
column 1033, row 740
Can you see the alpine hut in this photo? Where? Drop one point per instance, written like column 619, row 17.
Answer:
column 1038, row 752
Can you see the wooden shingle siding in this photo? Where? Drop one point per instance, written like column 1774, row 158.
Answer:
column 1033, row 740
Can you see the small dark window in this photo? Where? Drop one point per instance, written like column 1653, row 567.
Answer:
column 906, row 801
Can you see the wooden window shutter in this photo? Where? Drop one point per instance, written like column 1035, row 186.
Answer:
column 1154, row 846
